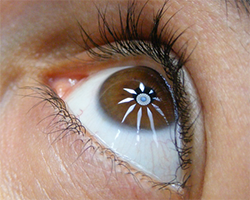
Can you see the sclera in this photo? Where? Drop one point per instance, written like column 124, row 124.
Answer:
column 157, row 158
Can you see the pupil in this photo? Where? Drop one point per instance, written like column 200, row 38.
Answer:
column 143, row 99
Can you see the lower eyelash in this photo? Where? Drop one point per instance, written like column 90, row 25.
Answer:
column 67, row 124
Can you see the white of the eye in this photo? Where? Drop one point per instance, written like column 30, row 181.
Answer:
column 150, row 151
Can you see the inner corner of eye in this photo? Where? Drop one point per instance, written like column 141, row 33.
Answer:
column 63, row 84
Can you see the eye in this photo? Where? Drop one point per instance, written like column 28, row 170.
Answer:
column 132, row 111
column 128, row 94
column 137, row 100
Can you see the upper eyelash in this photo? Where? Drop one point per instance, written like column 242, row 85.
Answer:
column 127, row 42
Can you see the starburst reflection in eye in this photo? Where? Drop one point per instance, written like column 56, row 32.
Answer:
column 142, row 96
column 131, row 110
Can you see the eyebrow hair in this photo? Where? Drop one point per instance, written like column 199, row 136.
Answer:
column 241, row 5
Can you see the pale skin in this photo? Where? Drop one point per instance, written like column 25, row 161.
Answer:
column 36, row 34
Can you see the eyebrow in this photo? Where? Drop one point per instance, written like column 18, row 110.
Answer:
column 246, row 4
column 241, row 5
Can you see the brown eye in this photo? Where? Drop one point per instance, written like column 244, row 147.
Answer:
column 134, row 112
column 138, row 97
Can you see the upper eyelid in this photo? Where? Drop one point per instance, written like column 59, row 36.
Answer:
column 158, row 36
column 87, row 41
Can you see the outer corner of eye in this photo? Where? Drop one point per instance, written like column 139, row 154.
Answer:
column 198, row 142
column 148, row 120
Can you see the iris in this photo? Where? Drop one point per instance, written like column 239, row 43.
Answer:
column 138, row 97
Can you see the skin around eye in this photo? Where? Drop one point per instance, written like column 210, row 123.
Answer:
column 34, row 39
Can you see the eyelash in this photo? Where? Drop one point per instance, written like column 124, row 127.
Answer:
column 127, row 42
